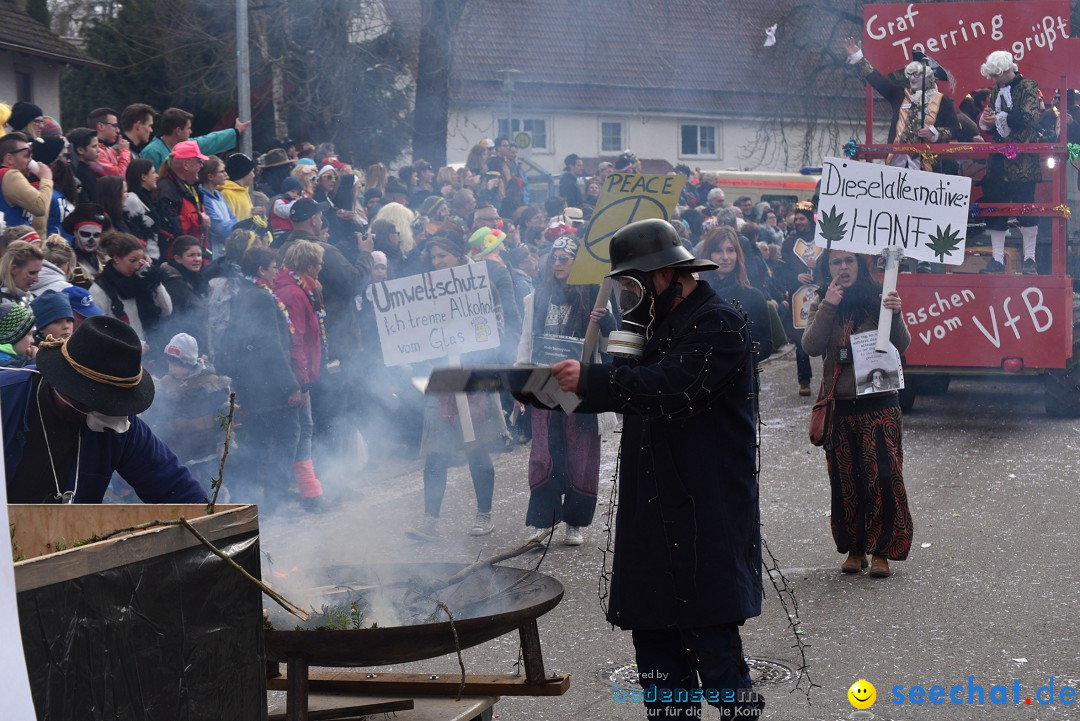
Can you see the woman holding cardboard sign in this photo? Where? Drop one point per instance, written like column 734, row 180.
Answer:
column 446, row 429
column 863, row 434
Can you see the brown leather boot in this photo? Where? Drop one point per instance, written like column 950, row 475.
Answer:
column 854, row 563
column 879, row 567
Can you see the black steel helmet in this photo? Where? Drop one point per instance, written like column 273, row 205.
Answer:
column 648, row 245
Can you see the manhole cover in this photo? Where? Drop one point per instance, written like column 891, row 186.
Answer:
column 763, row 672
column 623, row 676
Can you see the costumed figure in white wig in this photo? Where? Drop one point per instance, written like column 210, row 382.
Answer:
column 921, row 113
column 1012, row 114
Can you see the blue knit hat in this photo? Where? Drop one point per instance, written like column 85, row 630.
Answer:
column 50, row 307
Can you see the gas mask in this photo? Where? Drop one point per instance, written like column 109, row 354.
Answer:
column 88, row 237
column 640, row 307
column 99, row 422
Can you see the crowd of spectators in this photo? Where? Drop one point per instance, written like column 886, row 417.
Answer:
column 253, row 275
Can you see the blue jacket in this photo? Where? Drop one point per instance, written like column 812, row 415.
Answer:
column 138, row 455
column 221, row 215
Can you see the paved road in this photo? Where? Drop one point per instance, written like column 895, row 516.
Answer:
column 989, row 591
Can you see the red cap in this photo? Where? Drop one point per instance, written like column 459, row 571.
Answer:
column 187, row 149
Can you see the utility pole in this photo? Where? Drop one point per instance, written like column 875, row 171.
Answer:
column 243, row 74
column 507, row 77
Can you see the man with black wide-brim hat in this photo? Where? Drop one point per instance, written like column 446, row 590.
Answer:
column 73, row 423
column 686, row 570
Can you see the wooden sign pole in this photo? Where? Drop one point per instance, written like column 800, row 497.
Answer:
column 592, row 333
column 888, row 285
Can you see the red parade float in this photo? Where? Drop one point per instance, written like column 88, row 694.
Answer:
column 963, row 321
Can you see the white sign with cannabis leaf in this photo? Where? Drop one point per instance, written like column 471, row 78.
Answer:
column 868, row 208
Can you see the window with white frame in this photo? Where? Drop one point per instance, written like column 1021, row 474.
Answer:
column 611, row 136
column 537, row 127
column 699, row 140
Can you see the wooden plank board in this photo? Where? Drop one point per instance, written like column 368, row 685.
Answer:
column 341, row 712
column 121, row 550
column 38, row 527
column 418, row 684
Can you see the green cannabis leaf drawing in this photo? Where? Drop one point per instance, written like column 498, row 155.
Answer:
column 832, row 226
column 944, row 242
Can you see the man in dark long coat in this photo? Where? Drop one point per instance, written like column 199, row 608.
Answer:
column 687, row 563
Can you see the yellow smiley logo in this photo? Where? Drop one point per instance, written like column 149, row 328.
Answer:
column 862, row 694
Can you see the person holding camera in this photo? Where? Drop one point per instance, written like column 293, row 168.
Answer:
column 863, row 445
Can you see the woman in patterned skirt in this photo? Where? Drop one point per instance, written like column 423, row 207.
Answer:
column 564, row 461
column 863, row 447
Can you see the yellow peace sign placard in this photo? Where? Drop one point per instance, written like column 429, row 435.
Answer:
column 625, row 197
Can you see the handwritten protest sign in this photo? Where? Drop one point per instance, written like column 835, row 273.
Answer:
column 625, row 197
column 435, row 315
column 868, row 208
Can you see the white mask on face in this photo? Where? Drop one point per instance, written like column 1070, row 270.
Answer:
column 88, row 237
column 99, row 422
column 917, row 83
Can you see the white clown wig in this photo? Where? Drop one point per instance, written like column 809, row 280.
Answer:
column 915, row 69
column 402, row 219
column 997, row 63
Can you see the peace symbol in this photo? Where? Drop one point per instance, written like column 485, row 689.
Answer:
column 614, row 216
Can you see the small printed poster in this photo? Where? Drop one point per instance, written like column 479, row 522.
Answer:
column 875, row 372
column 550, row 349
column 800, row 306
column 808, row 253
